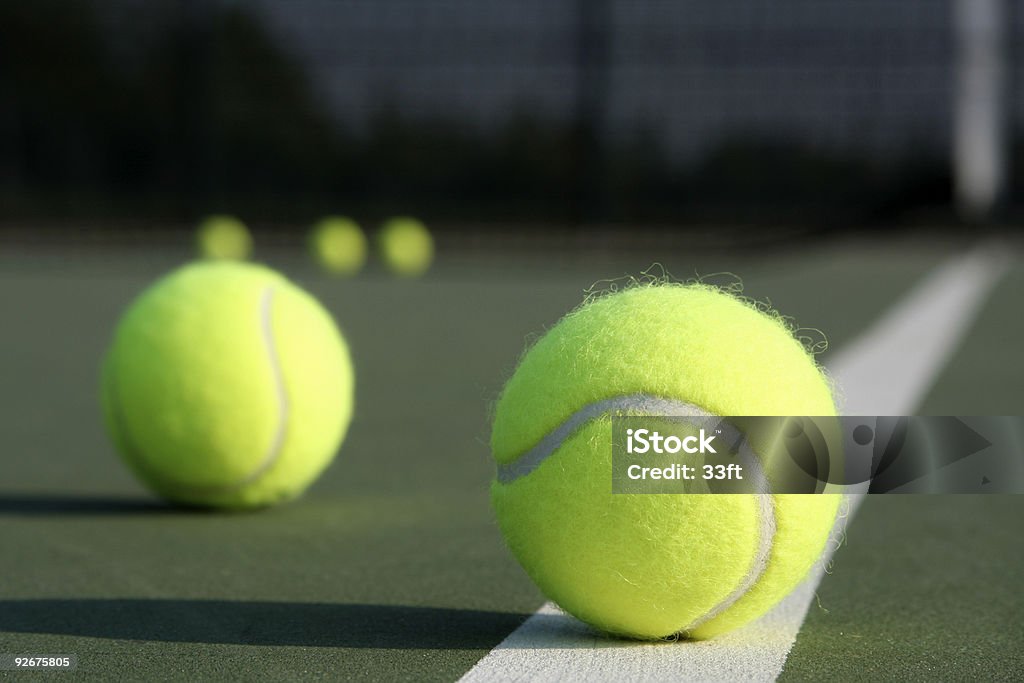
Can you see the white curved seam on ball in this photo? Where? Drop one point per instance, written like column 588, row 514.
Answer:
column 277, row 443
column 766, row 528
column 552, row 441
column 759, row 564
column 655, row 405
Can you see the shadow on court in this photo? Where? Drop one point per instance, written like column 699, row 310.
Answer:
column 261, row 623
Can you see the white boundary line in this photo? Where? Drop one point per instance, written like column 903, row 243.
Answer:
column 890, row 367
column 887, row 370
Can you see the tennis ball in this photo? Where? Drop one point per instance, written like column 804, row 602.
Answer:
column 223, row 237
column 641, row 565
column 406, row 246
column 227, row 386
column 338, row 245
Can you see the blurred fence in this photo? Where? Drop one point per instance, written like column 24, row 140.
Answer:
column 824, row 112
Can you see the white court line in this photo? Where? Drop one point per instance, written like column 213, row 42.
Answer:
column 885, row 371
column 889, row 368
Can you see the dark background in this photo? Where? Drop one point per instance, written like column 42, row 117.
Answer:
column 478, row 113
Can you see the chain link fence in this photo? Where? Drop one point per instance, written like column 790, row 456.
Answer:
column 824, row 112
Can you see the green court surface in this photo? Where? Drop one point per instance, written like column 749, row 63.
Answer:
column 391, row 567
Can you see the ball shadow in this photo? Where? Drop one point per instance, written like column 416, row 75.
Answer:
column 261, row 623
column 46, row 505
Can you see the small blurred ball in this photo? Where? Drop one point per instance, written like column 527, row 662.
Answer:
column 338, row 245
column 223, row 237
column 406, row 247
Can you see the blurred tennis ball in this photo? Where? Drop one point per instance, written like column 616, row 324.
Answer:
column 406, row 247
column 226, row 385
column 338, row 245
column 223, row 237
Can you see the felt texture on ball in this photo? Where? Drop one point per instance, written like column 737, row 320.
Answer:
column 223, row 237
column 656, row 566
column 227, row 386
column 338, row 245
column 405, row 246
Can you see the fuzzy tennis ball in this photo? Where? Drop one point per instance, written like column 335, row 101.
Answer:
column 338, row 245
column 406, row 246
column 642, row 565
column 223, row 237
column 228, row 386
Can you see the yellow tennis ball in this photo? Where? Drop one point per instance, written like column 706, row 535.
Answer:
column 223, row 237
column 338, row 245
column 226, row 385
column 643, row 565
column 406, row 247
